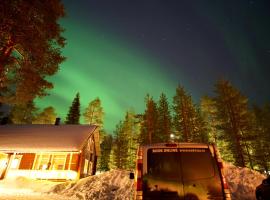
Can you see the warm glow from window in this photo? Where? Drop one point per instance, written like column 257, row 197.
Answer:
column 3, row 163
column 43, row 174
column 14, row 164
column 47, row 161
column 44, row 167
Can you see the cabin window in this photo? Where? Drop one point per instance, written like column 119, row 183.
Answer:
column 50, row 161
column 15, row 162
column 58, row 161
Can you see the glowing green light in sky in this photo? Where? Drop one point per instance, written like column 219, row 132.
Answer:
column 100, row 65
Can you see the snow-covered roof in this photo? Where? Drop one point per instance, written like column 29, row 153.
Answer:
column 37, row 138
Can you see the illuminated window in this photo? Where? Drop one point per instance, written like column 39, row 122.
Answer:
column 3, row 162
column 15, row 162
column 44, row 161
column 50, row 161
column 58, row 161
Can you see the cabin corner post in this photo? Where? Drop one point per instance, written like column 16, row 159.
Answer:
column 4, row 173
column 80, row 163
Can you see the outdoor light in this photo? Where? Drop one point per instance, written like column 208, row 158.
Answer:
column 172, row 136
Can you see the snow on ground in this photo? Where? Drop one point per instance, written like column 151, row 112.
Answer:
column 114, row 185
column 25, row 189
column 242, row 181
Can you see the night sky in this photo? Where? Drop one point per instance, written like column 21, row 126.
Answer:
column 121, row 50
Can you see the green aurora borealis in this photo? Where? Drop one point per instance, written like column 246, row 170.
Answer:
column 121, row 50
column 100, row 65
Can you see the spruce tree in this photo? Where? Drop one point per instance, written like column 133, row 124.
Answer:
column 119, row 158
column 131, row 132
column 261, row 145
column 208, row 111
column 106, row 147
column 148, row 133
column 73, row 116
column 233, row 116
column 163, row 119
column 201, row 131
column 185, row 117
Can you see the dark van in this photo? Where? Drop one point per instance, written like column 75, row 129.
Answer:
column 180, row 171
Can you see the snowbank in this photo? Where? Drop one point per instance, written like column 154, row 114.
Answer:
column 114, row 184
column 242, row 181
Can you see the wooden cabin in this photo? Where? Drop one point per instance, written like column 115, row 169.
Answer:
column 57, row 152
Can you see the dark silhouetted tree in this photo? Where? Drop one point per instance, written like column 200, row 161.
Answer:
column 73, row 116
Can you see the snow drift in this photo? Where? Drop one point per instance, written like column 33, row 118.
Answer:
column 114, row 185
column 242, row 181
